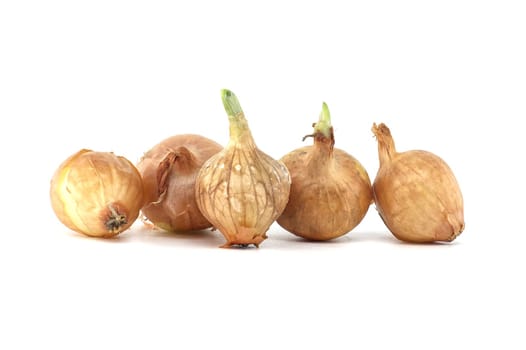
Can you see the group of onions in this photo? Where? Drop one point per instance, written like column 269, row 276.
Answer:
column 318, row 192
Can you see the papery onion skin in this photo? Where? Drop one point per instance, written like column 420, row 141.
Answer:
column 241, row 190
column 416, row 193
column 169, row 171
column 98, row 194
column 330, row 192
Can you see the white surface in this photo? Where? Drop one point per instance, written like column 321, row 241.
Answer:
column 448, row 77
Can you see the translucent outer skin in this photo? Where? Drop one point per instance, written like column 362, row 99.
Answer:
column 174, row 208
column 329, row 196
column 241, row 191
column 418, row 197
column 90, row 189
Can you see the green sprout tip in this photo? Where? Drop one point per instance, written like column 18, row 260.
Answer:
column 324, row 123
column 231, row 103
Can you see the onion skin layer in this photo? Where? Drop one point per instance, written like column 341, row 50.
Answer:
column 416, row 193
column 98, row 194
column 330, row 191
column 169, row 171
column 241, row 190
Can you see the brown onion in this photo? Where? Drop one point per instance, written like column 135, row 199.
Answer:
column 169, row 171
column 416, row 193
column 98, row 194
column 241, row 190
column 330, row 192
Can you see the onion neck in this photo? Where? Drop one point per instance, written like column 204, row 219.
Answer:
column 322, row 154
column 181, row 160
column 386, row 146
column 185, row 160
column 239, row 130
column 323, row 135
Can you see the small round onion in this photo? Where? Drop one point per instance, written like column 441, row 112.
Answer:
column 330, row 191
column 98, row 194
column 416, row 193
column 169, row 171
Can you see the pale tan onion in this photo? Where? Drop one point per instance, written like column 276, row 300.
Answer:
column 97, row 193
column 241, row 190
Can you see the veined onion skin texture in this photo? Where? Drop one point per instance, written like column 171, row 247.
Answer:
column 416, row 193
column 331, row 190
column 241, row 190
column 98, row 194
column 169, row 171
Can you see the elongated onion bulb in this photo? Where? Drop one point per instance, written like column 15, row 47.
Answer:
column 331, row 191
column 416, row 193
column 241, row 190
column 98, row 194
column 169, row 171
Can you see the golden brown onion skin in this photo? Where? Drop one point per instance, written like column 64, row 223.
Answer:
column 169, row 171
column 330, row 191
column 241, row 190
column 416, row 193
column 98, row 194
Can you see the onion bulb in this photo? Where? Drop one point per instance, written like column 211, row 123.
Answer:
column 416, row 193
column 241, row 190
column 330, row 192
column 98, row 194
column 169, row 171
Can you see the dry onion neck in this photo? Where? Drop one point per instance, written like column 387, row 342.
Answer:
column 180, row 157
column 386, row 146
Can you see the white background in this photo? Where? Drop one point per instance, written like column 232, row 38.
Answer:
column 446, row 76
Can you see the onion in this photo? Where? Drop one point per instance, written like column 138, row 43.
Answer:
column 416, row 193
column 330, row 192
column 98, row 194
column 169, row 171
column 241, row 190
